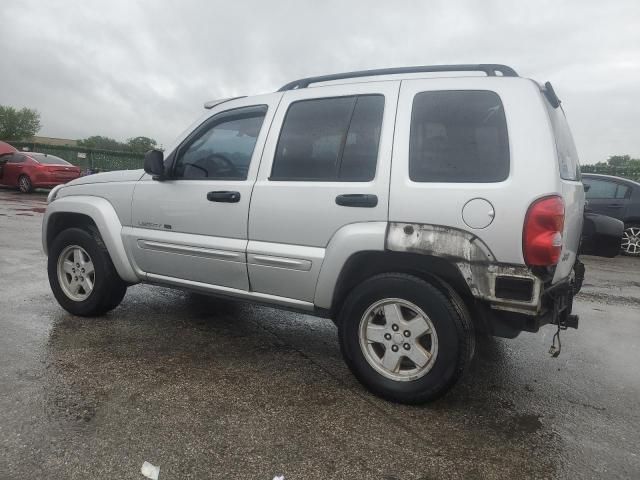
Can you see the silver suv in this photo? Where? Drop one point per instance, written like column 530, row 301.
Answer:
column 411, row 206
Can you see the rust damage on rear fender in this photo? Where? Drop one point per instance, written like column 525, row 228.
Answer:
column 469, row 253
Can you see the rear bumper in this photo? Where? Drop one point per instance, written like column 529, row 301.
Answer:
column 49, row 183
column 556, row 304
column 49, row 180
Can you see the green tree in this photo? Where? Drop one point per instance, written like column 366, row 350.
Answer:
column 619, row 160
column 141, row 144
column 101, row 143
column 18, row 124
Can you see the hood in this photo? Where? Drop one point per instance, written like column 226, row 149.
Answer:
column 117, row 176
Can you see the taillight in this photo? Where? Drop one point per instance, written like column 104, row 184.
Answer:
column 542, row 233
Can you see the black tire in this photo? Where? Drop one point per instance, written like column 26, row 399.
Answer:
column 24, row 184
column 117, row 294
column 447, row 312
column 629, row 230
column 108, row 289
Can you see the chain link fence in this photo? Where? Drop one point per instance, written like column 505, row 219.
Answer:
column 89, row 160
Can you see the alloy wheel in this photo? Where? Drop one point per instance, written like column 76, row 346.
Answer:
column 24, row 183
column 76, row 273
column 398, row 339
column 631, row 241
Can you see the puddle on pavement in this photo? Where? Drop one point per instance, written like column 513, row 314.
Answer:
column 24, row 205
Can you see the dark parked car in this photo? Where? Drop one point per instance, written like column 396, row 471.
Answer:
column 618, row 198
column 29, row 170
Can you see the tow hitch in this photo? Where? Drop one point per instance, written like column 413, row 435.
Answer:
column 570, row 321
column 562, row 315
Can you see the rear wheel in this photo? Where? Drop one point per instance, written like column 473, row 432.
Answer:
column 24, row 184
column 404, row 339
column 81, row 274
column 631, row 240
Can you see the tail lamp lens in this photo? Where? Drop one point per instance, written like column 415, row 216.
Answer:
column 542, row 234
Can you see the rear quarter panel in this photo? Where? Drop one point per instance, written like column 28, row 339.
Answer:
column 533, row 169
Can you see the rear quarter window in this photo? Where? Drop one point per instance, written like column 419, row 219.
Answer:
column 458, row 136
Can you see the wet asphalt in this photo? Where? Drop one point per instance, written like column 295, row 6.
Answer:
column 209, row 388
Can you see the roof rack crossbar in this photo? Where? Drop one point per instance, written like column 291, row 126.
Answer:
column 489, row 68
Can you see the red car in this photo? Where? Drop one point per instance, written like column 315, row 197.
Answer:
column 29, row 170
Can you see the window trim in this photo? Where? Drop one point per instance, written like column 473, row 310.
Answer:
column 209, row 123
column 343, row 143
column 440, row 182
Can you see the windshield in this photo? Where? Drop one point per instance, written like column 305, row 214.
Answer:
column 48, row 159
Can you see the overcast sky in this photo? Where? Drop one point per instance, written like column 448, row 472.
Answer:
column 127, row 68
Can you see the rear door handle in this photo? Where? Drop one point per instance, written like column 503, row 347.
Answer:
column 361, row 200
column 224, row 196
column 614, row 205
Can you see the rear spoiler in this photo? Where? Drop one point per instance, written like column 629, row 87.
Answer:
column 550, row 93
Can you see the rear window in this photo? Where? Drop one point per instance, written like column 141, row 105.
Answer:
column 458, row 136
column 566, row 148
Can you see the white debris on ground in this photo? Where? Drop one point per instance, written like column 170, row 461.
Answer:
column 150, row 471
column 278, row 477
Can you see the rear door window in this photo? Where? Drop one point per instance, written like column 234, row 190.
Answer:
column 604, row 189
column 622, row 191
column 458, row 136
column 330, row 139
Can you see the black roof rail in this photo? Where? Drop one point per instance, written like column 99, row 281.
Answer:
column 489, row 68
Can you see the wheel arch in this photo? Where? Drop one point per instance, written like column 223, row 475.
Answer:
column 84, row 211
column 435, row 270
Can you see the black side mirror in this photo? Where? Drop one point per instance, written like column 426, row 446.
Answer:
column 601, row 235
column 154, row 164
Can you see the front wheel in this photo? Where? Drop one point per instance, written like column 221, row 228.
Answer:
column 24, row 184
column 405, row 339
column 81, row 274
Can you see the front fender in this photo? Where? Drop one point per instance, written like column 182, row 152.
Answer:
column 104, row 216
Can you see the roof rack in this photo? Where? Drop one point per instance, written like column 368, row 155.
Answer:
column 491, row 69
